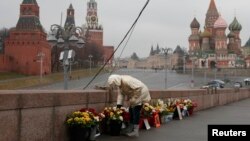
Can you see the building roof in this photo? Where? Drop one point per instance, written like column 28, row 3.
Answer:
column 195, row 24
column 71, row 6
column 220, row 23
column 29, row 23
column 29, row 2
column 235, row 25
column 212, row 5
column 212, row 14
column 70, row 19
column 247, row 43
column 178, row 50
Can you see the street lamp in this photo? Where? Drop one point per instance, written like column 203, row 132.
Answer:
column 215, row 70
column 65, row 37
column 184, row 63
column 40, row 57
column 204, row 65
column 166, row 51
column 193, row 57
column 90, row 59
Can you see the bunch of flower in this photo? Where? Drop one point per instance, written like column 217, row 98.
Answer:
column 189, row 103
column 82, row 119
column 147, row 110
column 161, row 107
column 114, row 113
column 165, row 108
column 179, row 102
column 171, row 105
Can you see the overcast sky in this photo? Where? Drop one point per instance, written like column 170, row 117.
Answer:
column 166, row 22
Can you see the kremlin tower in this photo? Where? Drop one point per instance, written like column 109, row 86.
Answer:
column 26, row 49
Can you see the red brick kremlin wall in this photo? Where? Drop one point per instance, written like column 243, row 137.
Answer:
column 40, row 115
column 21, row 52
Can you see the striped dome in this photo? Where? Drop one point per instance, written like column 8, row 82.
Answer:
column 220, row 23
column 235, row 25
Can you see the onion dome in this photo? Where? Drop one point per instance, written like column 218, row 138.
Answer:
column 195, row 24
column 206, row 34
column 220, row 23
column 231, row 35
column 235, row 25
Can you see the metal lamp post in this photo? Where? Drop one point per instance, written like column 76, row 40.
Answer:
column 184, row 63
column 192, row 59
column 63, row 38
column 215, row 70
column 90, row 62
column 205, row 56
column 166, row 51
column 41, row 55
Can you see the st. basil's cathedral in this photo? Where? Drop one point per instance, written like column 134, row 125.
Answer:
column 212, row 47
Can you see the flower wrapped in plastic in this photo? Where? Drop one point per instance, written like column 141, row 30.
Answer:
column 82, row 124
column 147, row 110
column 190, row 105
column 82, row 119
column 114, row 117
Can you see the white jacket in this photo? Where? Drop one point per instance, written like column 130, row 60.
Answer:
column 136, row 91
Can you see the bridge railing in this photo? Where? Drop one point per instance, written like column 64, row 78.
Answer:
column 40, row 115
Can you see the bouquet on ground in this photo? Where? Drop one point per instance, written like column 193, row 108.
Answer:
column 189, row 103
column 161, row 108
column 84, row 118
column 114, row 114
column 147, row 110
column 82, row 125
column 171, row 105
column 114, row 118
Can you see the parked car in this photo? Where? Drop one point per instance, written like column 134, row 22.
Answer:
column 247, row 81
column 218, row 82
column 212, row 85
column 238, row 85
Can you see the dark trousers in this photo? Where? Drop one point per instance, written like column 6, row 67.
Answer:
column 135, row 114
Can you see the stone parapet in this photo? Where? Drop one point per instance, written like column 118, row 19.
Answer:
column 39, row 115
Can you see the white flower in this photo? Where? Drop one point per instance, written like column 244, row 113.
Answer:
column 123, row 108
column 102, row 115
column 121, row 118
column 97, row 118
column 160, row 102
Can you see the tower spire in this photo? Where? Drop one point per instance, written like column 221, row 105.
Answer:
column 212, row 14
column 29, row 16
column 212, row 5
column 92, row 17
column 29, row 2
column 70, row 20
